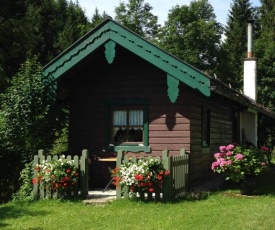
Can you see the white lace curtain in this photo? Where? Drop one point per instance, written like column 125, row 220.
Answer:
column 135, row 117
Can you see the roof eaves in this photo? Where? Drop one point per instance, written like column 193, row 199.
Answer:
column 224, row 90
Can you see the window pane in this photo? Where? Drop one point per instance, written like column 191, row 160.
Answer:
column 135, row 117
column 119, row 134
column 135, row 134
column 120, row 117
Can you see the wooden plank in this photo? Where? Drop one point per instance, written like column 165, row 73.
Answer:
column 164, row 140
column 168, row 134
column 162, row 120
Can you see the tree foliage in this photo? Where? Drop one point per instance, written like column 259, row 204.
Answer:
column 137, row 16
column 97, row 18
column 265, row 54
column 193, row 34
column 235, row 44
column 43, row 28
column 29, row 115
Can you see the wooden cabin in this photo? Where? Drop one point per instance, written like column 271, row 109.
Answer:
column 125, row 93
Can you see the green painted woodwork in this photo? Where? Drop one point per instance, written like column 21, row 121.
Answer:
column 83, row 162
column 173, row 88
column 128, row 102
column 109, row 30
column 110, row 51
column 175, row 185
column 131, row 148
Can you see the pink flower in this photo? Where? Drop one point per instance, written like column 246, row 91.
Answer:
column 229, row 162
column 222, row 148
column 218, row 155
column 223, row 162
column 263, row 163
column 214, row 165
column 239, row 157
column 264, row 148
column 230, row 147
column 229, row 153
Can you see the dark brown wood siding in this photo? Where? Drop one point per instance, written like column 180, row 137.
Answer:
column 172, row 126
column 129, row 77
column 221, row 133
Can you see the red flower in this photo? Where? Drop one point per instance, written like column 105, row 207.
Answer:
column 68, row 171
column 37, row 168
column 34, row 181
column 150, row 184
column 139, row 177
column 142, row 184
column 39, row 178
column 159, row 177
column 167, row 172
column 151, row 189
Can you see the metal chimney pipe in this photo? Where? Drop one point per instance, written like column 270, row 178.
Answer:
column 250, row 67
column 250, row 39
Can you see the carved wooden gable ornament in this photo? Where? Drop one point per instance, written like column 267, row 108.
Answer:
column 109, row 33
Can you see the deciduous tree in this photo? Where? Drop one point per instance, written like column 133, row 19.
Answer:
column 193, row 34
column 137, row 16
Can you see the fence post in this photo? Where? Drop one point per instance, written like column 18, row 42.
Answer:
column 84, row 173
column 167, row 180
column 41, row 158
column 119, row 160
column 35, row 173
column 187, row 175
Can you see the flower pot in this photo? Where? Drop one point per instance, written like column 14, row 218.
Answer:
column 247, row 186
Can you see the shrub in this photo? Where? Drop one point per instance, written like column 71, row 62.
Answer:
column 237, row 162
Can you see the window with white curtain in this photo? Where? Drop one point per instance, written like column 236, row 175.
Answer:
column 127, row 125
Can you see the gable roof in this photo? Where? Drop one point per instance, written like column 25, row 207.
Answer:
column 110, row 32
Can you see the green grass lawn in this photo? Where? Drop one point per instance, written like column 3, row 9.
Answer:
column 224, row 209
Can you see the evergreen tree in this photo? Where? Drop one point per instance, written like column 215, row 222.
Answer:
column 43, row 28
column 235, row 45
column 193, row 34
column 265, row 54
column 97, row 18
column 136, row 16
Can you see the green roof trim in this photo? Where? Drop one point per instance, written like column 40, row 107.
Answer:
column 110, row 30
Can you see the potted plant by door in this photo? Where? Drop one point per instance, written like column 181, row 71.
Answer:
column 241, row 163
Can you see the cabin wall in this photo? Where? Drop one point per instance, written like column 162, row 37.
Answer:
column 129, row 77
column 172, row 126
column 221, row 133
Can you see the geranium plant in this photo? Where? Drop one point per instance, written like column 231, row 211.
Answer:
column 57, row 175
column 143, row 176
column 238, row 162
